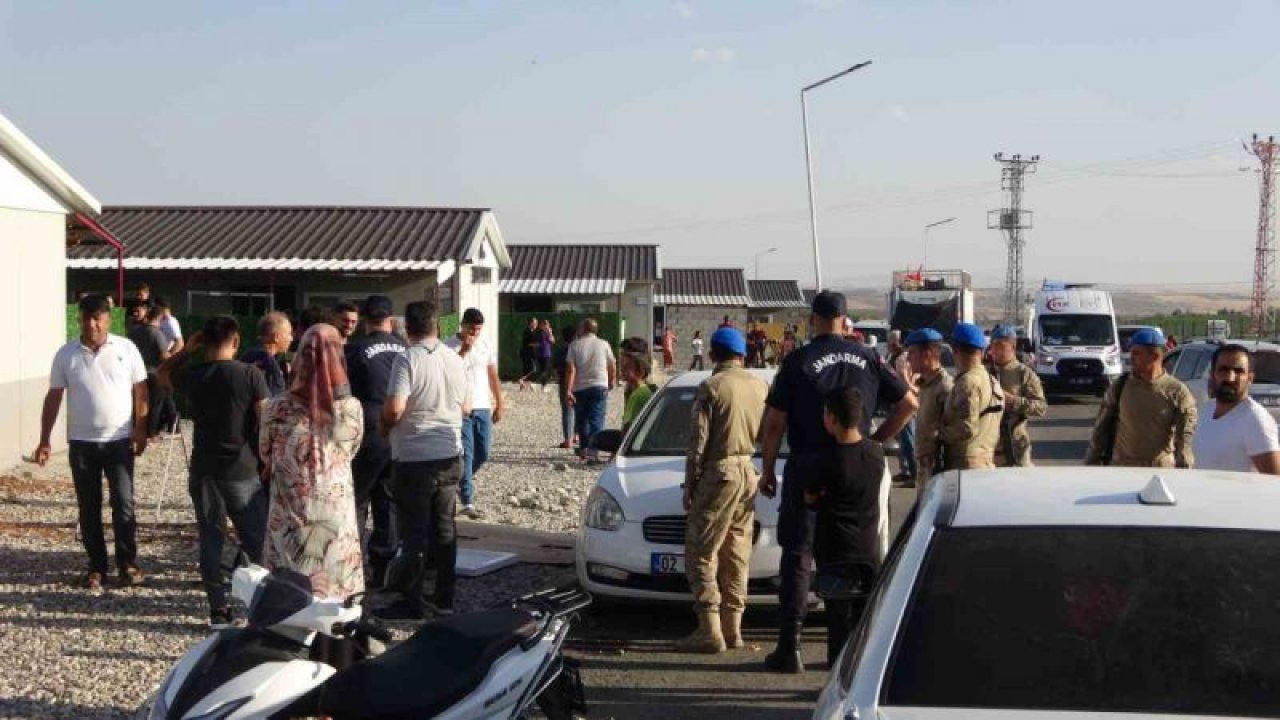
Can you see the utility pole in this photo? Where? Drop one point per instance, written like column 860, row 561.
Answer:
column 1264, row 252
column 1012, row 220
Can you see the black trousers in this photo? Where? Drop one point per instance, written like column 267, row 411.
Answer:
column 90, row 461
column 795, row 535
column 216, row 495
column 371, row 471
column 426, row 494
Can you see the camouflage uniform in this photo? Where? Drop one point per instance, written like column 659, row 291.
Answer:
column 971, row 420
column 720, row 478
column 933, row 397
column 1022, row 382
column 1154, row 427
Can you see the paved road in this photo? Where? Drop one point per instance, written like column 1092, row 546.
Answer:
column 630, row 672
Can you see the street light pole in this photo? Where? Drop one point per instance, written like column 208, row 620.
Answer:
column 808, row 166
column 924, row 260
column 771, row 250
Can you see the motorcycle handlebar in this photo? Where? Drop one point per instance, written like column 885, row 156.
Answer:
column 366, row 626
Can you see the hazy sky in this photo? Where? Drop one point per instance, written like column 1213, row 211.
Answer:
column 679, row 123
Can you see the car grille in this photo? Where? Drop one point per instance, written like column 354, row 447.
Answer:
column 1079, row 367
column 669, row 530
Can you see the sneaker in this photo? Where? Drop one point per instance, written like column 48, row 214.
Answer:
column 400, row 611
column 470, row 511
column 220, row 618
column 130, row 576
column 93, row 581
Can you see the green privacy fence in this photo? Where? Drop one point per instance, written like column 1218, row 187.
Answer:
column 511, row 326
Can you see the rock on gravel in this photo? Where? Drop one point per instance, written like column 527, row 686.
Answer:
column 72, row 655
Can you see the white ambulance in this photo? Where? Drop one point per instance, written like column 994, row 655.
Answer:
column 1073, row 332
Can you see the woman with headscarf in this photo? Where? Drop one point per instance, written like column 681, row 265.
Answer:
column 309, row 436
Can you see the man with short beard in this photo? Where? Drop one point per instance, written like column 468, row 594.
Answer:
column 1234, row 432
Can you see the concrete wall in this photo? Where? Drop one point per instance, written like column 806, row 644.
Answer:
column 481, row 294
column 638, row 315
column 685, row 319
column 33, row 244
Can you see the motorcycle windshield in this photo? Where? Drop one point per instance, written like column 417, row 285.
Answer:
column 283, row 593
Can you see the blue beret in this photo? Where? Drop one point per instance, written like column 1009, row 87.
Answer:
column 969, row 334
column 1004, row 332
column 1150, row 337
column 923, row 336
column 730, row 339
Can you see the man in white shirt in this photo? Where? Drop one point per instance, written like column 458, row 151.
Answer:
column 427, row 398
column 168, row 324
column 486, row 403
column 1235, row 432
column 105, row 382
column 590, row 372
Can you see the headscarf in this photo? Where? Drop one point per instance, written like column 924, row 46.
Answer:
column 320, row 374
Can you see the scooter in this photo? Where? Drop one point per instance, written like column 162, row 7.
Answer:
column 493, row 663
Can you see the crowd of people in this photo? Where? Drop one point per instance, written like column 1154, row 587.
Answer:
column 342, row 455
column 834, row 516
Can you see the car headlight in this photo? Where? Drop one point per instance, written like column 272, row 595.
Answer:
column 1112, row 360
column 602, row 511
column 1047, row 359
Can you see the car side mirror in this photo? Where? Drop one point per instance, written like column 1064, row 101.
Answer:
column 844, row 581
column 606, row 441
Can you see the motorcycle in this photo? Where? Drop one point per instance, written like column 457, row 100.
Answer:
column 301, row 656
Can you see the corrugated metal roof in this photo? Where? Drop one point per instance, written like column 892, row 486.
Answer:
column 631, row 263
column 287, row 238
column 725, row 287
column 776, row 294
column 562, row 286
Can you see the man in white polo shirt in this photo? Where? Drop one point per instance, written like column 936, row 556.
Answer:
column 1235, row 432
column 486, row 403
column 105, row 382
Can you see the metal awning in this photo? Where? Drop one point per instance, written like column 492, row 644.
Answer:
column 562, row 286
column 218, row 263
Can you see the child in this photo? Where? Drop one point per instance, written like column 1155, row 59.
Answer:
column 635, row 373
column 844, row 493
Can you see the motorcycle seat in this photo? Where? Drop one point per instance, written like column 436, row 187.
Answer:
column 443, row 662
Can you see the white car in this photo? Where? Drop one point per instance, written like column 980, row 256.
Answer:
column 631, row 540
column 1073, row 592
column 1191, row 361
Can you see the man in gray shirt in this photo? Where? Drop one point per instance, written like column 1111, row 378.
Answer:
column 590, row 373
column 428, row 394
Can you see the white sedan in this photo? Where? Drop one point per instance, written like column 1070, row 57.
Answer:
column 1073, row 592
column 631, row 541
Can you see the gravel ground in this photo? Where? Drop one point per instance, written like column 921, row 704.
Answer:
column 69, row 654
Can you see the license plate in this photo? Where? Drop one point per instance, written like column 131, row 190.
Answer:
column 666, row 564
column 1081, row 381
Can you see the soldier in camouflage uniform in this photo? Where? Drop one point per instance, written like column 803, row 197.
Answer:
column 1023, row 398
column 933, row 385
column 971, row 416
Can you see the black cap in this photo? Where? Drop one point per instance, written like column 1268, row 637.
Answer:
column 828, row 304
column 377, row 307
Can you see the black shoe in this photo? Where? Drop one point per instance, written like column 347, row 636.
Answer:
column 786, row 657
column 220, row 618
column 400, row 611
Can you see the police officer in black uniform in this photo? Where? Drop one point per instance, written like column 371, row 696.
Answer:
column 369, row 360
column 794, row 407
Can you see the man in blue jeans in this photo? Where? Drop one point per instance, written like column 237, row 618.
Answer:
column 486, row 403
column 590, row 372
column 105, row 381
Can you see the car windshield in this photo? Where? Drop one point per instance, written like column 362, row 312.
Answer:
column 1077, row 329
column 1153, row 620
column 666, row 425
column 1266, row 367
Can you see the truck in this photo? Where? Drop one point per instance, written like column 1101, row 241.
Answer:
column 930, row 298
column 1074, row 339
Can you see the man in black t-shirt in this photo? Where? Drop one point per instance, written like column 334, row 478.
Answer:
column 224, row 398
column 144, row 331
column 795, row 407
column 369, row 361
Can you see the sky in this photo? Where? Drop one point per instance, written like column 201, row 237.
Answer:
column 679, row 124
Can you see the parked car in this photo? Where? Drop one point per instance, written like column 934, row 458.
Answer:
column 1191, row 361
column 1070, row 592
column 631, row 539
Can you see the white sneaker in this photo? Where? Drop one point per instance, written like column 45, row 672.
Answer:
column 471, row 512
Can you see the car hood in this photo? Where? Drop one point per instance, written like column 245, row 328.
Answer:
column 648, row 486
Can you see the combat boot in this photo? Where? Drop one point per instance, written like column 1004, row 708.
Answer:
column 731, row 627
column 706, row 639
column 786, row 657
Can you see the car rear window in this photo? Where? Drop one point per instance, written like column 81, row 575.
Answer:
column 1169, row 620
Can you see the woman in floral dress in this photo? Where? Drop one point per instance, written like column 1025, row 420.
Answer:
column 309, row 436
